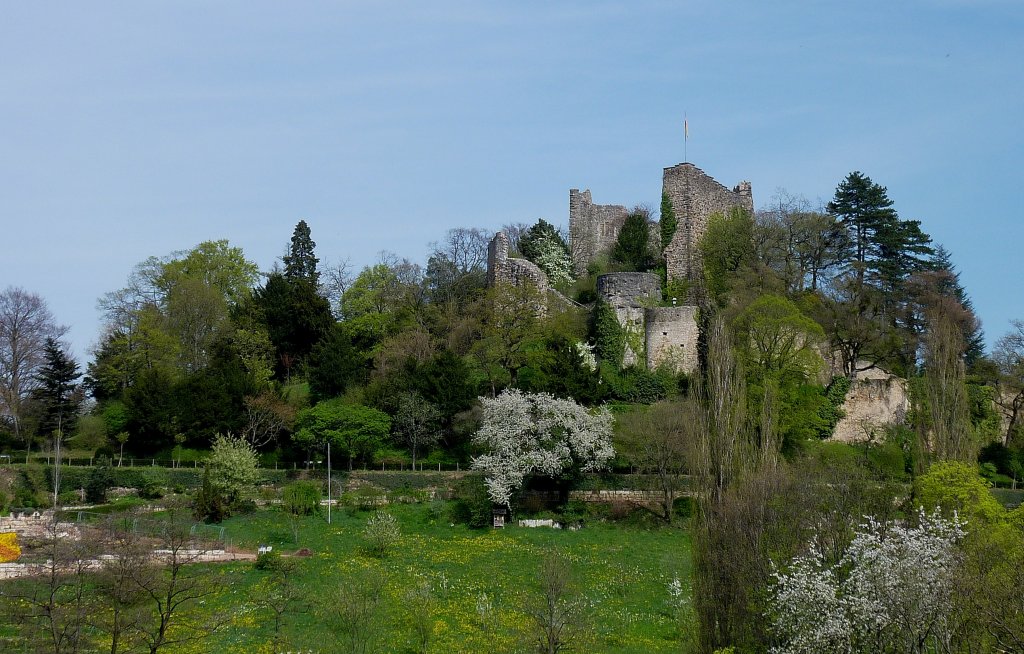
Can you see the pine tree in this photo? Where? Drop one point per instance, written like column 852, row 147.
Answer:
column 58, row 390
column 300, row 262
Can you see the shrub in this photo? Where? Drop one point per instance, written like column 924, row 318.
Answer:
column 99, row 480
column 381, row 534
column 471, row 505
column 9, row 549
column 268, row 561
column 301, row 498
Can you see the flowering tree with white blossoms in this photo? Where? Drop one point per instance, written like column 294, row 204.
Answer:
column 537, row 433
column 892, row 591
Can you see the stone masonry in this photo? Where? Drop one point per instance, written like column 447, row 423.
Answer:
column 875, row 399
column 655, row 335
column 695, row 196
column 503, row 269
column 671, row 338
column 593, row 228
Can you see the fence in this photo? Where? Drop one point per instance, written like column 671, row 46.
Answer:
column 140, row 462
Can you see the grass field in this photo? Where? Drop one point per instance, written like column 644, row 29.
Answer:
column 480, row 582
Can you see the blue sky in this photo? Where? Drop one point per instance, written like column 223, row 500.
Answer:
column 133, row 129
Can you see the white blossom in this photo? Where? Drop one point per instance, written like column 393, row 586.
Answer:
column 537, row 433
column 891, row 591
column 585, row 351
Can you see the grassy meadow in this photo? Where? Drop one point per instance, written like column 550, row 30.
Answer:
column 480, row 581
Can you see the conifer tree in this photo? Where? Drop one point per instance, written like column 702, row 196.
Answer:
column 300, row 262
column 58, row 390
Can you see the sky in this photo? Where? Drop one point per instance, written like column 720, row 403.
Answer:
column 133, row 129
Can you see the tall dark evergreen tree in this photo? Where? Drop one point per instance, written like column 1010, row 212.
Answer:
column 296, row 318
column 633, row 249
column 58, row 392
column 300, row 262
column 532, row 242
column 668, row 222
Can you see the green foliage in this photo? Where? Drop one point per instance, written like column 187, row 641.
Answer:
column 268, row 561
column 209, row 502
column 640, row 385
column 300, row 262
column 831, row 411
column 775, row 338
column 608, row 336
column 633, row 248
column 100, row 479
column 955, row 486
column 544, row 246
column 471, row 505
column 234, row 469
column 296, row 318
column 352, row 430
column 301, row 498
column 726, row 247
column 381, row 534
column 334, row 364
column 668, row 222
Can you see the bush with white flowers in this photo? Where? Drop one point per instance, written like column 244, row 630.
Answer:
column 891, row 592
column 537, row 433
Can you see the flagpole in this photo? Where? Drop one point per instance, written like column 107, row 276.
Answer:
column 686, row 137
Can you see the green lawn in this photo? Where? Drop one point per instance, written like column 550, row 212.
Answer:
column 623, row 576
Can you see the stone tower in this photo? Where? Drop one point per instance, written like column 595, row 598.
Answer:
column 593, row 228
column 695, row 196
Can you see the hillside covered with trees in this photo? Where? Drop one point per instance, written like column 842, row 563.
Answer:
column 800, row 543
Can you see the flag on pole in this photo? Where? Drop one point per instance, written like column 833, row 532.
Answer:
column 686, row 128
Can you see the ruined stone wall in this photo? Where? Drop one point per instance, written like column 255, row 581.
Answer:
column 593, row 228
column 695, row 197
column 630, row 294
column 503, row 269
column 875, row 399
column 671, row 337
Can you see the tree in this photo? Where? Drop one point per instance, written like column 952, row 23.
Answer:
column 300, row 262
column 267, row 417
column 296, row 318
column 334, row 364
column 557, row 610
column 951, row 436
column 883, row 252
column 59, row 401
column 633, row 248
column 416, row 421
column 726, row 248
column 1009, row 359
column 234, row 468
column 180, row 585
column 353, row 430
column 536, row 433
column 25, row 324
column 776, row 338
column 893, row 591
column 668, row 222
column 58, row 391
column 457, row 267
column 657, row 440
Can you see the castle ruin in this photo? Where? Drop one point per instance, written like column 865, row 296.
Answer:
column 656, row 335
column 696, row 196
